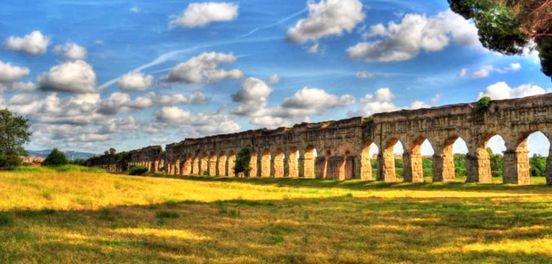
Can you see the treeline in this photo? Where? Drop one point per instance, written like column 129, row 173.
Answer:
column 537, row 163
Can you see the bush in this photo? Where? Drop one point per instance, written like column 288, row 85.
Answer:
column 9, row 161
column 242, row 161
column 167, row 214
column 55, row 158
column 137, row 170
column 482, row 104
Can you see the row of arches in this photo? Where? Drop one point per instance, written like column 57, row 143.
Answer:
column 414, row 160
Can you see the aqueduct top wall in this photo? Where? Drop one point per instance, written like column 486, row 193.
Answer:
column 339, row 149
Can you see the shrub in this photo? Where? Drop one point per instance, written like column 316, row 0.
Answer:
column 55, row 158
column 242, row 161
column 137, row 170
column 9, row 161
column 482, row 104
column 167, row 214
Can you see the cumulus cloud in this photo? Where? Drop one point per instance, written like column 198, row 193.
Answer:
column 415, row 33
column 10, row 73
column 73, row 77
column 34, row 43
column 486, row 70
column 252, row 97
column 199, row 123
column 501, row 90
column 309, row 101
column 327, row 18
column 135, row 81
column 379, row 101
column 196, row 97
column 70, row 52
column 202, row 14
column 204, row 68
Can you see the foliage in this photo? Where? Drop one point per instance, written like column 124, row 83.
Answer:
column 482, row 104
column 110, row 157
column 137, row 170
column 242, row 161
column 508, row 26
column 497, row 163
column 14, row 133
column 460, row 164
column 55, row 158
column 538, row 165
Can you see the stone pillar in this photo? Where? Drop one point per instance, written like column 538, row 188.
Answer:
column 516, row 167
column 308, row 165
column 443, row 166
column 253, row 166
column 195, row 167
column 265, row 165
column 177, row 168
column 278, row 165
column 365, row 167
column 155, row 166
column 478, row 166
column 321, row 167
column 212, row 166
column 187, row 167
column 293, row 165
column 231, row 164
column 221, row 162
column 335, row 167
column 412, row 167
column 356, row 171
column 386, row 161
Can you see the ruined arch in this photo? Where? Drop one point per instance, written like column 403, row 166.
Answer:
column 278, row 163
column 478, row 163
column 366, row 166
column 212, row 165
column 253, row 164
column 221, row 164
column 517, row 166
column 446, row 157
column 387, row 170
column 413, row 168
column 187, row 166
column 204, row 164
column 293, row 163
column 322, row 164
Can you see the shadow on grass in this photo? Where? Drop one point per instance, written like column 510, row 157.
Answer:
column 367, row 185
column 323, row 230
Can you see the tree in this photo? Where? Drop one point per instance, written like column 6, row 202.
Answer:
column 55, row 158
column 112, row 151
column 14, row 132
column 507, row 26
column 242, row 161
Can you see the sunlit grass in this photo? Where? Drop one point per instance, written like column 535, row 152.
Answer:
column 78, row 215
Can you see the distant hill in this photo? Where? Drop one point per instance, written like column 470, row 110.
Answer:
column 72, row 155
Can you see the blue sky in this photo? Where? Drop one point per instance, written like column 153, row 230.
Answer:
column 95, row 74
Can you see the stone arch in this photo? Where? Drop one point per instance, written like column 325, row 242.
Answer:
column 196, row 167
column 187, row 166
column 386, row 169
column 221, row 164
column 293, row 162
column 278, row 163
column 308, row 158
column 265, row 163
column 517, row 167
column 212, row 166
column 204, row 164
column 444, row 164
column 413, row 161
column 231, row 164
column 366, row 168
column 478, row 163
column 322, row 164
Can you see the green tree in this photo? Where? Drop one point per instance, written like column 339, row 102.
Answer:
column 55, row 158
column 507, row 26
column 242, row 161
column 538, row 165
column 14, row 132
column 497, row 163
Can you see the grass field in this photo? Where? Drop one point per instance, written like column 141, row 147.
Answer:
column 75, row 215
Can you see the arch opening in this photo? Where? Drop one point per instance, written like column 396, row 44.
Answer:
column 322, row 170
column 309, row 158
column 418, row 161
column 368, row 161
column 212, row 165
column 528, row 160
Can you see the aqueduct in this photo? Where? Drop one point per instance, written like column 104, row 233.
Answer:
column 341, row 149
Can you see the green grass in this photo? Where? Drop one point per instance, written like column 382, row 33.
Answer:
column 48, row 215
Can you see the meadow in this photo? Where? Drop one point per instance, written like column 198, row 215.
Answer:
column 81, row 215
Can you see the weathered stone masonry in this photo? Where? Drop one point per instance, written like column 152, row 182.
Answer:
column 340, row 149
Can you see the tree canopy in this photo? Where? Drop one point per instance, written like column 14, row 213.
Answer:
column 508, row 26
column 14, row 132
column 55, row 158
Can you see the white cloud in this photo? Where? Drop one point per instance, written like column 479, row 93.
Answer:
column 70, row 52
column 436, row 99
column 252, row 97
column 380, row 101
column 34, row 43
column 135, row 81
column 73, row 77
column 202, row 14
column 204, row 68
column 415, row 33
column 273, row 79
column 135, row 10
column 315, row 101
column 418, row 104
column 196, row 97
column 327, row 18
column 10, row 73
column 486, row 70
column 199, row 123
column 501, row 90
column 363, row 75
column 462, row 73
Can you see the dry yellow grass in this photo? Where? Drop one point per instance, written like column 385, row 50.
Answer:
column 89, row 217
